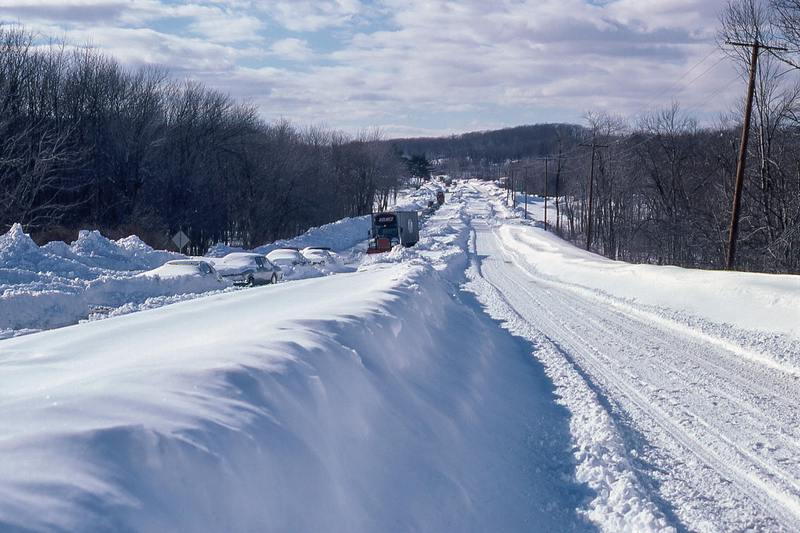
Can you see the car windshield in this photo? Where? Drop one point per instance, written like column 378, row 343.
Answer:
column 259, row 262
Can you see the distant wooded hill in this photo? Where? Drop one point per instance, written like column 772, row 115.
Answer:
column 495, row 146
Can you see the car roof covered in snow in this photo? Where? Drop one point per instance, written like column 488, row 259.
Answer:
column 284, row 252
column 239, row 257
column 186, row 262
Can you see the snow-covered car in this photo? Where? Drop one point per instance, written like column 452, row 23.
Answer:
column 318, row 255
column 244, row 268
column 287, row 257
column 185, row 267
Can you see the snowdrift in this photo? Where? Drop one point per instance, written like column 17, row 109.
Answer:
column 381, row 400
column 766, row 302
column 339, row 236
column 59, row 284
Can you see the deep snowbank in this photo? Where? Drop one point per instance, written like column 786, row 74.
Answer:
column 767, row 302
column 371, row 401
column 91, row 255
column 58, row 284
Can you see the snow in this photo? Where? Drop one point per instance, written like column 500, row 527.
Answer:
column 339, row 236
column 59, row 284
column 772, row 301
column 491, row 378
column 367, row 401
column 716, row 305
column 417, row 199
column 679, row 420
column 234, row 262
column 44, row 287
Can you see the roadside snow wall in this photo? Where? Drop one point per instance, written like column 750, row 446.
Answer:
column 371, row 401
column 58, row 284
column 380, row 400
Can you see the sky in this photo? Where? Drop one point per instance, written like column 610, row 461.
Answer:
column 414, row 67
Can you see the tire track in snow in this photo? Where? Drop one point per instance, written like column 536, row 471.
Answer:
column 723, row 484
column 620, row 502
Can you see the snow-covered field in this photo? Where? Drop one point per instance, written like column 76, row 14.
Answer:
column 491, row 378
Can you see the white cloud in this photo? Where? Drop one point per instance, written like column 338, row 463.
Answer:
column 140, row 46
column 221, row 27
column 312, row 15
column 292, row 49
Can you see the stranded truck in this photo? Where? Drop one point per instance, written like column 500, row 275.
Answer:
column 392, row 228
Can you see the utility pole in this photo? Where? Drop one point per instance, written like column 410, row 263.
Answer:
column 508, row 183
column 558, row 175
column 733, row 231
column 546, row 161
column 526, row 192
column 594, row 146
column 513, row 190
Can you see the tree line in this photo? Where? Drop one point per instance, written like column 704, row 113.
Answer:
column 663, row 189
column 85, row 142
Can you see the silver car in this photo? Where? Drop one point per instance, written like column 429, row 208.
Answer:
column 287, row 258
column 185, row 267
column 243, row 268
column 318, row 255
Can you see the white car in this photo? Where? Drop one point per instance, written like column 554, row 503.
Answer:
column 244, row 268
column 287, row 257
column 318, row 255
column 185, row 267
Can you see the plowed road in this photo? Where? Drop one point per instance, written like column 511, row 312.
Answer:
column 711, row 436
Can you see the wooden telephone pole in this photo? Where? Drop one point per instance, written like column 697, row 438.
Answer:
column 558, row 175
column 594, row 146
column 733, row 231
column 546, row 161
column 513, row 190
column 525, row 187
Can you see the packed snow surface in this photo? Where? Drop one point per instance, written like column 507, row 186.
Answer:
column 683, row 384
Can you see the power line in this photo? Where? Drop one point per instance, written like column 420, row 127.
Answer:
column 629, row 149
column 676, row 83
column 571, row 152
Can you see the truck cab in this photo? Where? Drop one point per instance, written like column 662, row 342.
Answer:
column 391, row 228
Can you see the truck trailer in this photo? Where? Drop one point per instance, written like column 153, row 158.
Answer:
column 391, row 228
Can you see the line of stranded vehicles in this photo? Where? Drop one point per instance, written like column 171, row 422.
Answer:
column 247, row 268
column 389, row 229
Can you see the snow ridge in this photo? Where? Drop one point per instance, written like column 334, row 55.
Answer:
column 368, row 401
